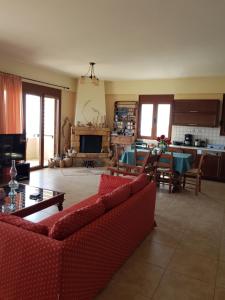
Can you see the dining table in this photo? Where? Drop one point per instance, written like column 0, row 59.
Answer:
column 182, row 162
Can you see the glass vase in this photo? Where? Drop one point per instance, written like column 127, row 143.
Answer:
column 163, row 147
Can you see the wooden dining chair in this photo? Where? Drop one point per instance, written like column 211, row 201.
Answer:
column 141, row 163
column 119, row 150
column 151, row 166
column 193, row 153
column 193, row 177
column 164, row 170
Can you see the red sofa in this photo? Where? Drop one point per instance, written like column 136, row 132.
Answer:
column 35, row 266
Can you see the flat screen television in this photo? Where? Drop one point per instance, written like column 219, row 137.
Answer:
column 12, row 146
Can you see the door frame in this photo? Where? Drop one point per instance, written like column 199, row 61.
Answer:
column 42, row 92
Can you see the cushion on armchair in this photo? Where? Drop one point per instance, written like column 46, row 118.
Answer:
column 108, row 183
column 73, row 221
column 116, row 197
column 24, row 224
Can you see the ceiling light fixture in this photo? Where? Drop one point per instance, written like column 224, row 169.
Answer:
column 90, row 75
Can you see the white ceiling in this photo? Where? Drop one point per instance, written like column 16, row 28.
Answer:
column 128, row 39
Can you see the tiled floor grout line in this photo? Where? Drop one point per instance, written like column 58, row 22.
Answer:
column 175, row 249
column 163, row 274
column 220, row 244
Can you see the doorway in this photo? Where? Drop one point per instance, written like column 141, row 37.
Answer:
column 42, row 123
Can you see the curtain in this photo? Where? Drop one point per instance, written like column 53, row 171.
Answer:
column 11, row 108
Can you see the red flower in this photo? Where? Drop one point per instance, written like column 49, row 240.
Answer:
column 162, row 139
column 167, row 141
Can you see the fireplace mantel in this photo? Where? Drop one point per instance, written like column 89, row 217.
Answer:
column 78, row 130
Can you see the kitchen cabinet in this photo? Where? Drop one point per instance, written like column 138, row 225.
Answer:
column 222, row 167
column 203, row 113
column 222, row 123
column 175, row 149
column 214, row 166
column 196, row 106
column 211, row 166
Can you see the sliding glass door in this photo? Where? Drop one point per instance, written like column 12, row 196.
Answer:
column 49, row 129
column 42, row 125
column 33, row 130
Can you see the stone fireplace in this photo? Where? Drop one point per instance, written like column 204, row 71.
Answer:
column 90, row 143
column 95, row 139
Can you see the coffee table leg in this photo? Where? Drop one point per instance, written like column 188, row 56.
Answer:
column 60, row 206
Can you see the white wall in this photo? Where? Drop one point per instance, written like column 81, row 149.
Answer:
column 90, row 103
column 211, row 134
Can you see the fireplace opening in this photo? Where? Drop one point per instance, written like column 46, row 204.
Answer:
column 90, row 143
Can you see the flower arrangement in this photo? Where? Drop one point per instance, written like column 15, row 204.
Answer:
column 163, row 142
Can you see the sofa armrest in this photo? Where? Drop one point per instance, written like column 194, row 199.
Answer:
column 29, row 263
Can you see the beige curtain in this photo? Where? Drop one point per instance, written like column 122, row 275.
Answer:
column 11, row 108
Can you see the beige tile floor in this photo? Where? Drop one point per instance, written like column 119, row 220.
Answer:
column 182, row 259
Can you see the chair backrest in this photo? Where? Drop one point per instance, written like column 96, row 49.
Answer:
column 193, row 152
column 142, row 158
column 119, row 150
column 165, row 161
column 201, row 162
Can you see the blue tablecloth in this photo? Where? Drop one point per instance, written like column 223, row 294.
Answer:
column 181, row 161
column 128, row 156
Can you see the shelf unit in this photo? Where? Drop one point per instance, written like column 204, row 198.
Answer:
column 125, row 122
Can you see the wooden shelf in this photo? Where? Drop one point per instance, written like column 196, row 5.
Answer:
column 125, row 122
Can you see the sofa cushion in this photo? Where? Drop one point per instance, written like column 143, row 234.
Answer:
column 50, row 221
column 116, row 197
column 73, row 221
column 139, row 183
column 24, row 224
column 109, row 183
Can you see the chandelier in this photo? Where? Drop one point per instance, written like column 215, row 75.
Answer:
column 90, row 75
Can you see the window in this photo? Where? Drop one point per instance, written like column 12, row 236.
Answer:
column 155, row 113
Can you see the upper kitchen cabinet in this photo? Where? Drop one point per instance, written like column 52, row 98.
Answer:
column 222, row 131
column 203, row 113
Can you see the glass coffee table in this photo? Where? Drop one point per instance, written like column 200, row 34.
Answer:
column 28, row 200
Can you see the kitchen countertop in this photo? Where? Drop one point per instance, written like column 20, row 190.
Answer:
column 199, row 149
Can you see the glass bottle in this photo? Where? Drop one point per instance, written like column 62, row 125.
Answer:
column 13, row 184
